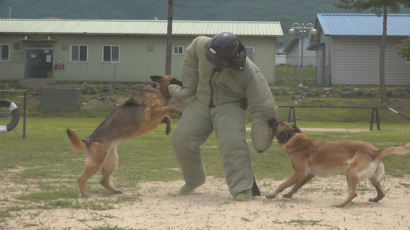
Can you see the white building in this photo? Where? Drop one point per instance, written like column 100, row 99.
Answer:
column 294, row 52
column 348, row 49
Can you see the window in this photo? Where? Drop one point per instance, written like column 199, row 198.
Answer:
column 79, row 53
column 178, row 50
column 111, row 54
column 4, row 52
column 250, row 52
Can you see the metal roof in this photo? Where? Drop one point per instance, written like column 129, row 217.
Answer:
column 363, row 24
column 140, row 27
column 291, row 45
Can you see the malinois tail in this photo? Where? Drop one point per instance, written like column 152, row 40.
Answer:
column 76, row 143
column 398, row 150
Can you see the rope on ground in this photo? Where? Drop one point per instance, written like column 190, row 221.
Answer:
column 396, row 112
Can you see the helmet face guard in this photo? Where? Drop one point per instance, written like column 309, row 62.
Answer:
column 225, row 49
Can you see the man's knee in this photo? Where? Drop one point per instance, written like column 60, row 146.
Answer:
column 183, row 144
column 177, row 139
column 234, row 142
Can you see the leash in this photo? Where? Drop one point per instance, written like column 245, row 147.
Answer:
column 396, row 112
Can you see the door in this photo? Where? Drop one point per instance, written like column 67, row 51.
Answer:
column 39, row 62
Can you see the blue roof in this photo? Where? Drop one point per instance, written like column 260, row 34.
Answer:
column 363, row 24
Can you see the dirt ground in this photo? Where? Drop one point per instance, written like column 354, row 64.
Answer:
column 212, row 207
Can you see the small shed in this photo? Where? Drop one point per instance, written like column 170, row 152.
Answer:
column 117, row 50
column 348, row 49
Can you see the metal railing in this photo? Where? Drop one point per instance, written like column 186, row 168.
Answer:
column 374, row 117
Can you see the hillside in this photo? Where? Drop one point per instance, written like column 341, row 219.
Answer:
column 280, row 10
column 285, row 11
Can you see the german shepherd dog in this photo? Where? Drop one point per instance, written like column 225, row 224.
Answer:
column 141, row 113
column 313, row 157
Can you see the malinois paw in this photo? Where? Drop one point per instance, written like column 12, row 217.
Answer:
column 339, row 205
column 287, row 195
column 376, row 199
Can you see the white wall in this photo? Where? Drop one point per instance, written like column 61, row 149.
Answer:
column 356, row 61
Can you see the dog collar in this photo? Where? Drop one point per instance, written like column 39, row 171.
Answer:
column 293, row 133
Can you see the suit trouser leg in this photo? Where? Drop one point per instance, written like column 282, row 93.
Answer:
column 229, row 123
column 193, row 130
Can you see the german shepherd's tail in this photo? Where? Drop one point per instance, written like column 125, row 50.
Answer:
column 398, row 150
column 76, row 143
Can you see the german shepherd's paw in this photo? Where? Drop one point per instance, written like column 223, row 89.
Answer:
column 271, row 196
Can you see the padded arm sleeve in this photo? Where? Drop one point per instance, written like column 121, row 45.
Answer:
column 262, row 108
column 190, row 74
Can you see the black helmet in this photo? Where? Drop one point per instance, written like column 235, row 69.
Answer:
column 226, row 48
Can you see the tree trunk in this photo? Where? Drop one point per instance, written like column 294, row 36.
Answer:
column 382, row 52
column 168, row 57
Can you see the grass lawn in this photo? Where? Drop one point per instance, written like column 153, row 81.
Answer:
column 46, row 151
column 50, row 168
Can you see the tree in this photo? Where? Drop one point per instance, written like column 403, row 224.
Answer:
column 380, row 7
column 168, row 56
column 405, row 48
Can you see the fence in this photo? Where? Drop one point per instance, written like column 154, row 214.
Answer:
column 374, row 117
column 289, row 75
column 315, row 71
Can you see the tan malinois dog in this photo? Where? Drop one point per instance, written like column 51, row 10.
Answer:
column 141, row 113
column 313, row 157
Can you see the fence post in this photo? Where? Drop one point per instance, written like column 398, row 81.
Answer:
column 24, row 114
column 292, row 110
column 377, row 119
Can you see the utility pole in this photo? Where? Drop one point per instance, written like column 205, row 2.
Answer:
column 302, row 43
column 382, row 83
column 168, row 57
column 10, row 12
column 302, row 29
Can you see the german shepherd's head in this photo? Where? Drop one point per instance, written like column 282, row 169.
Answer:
column 283, row 131
column 161, row 83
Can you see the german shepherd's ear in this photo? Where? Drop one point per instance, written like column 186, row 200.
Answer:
column 297, row 130
column 274, row 125
column 175, row 82
column 157, row 78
